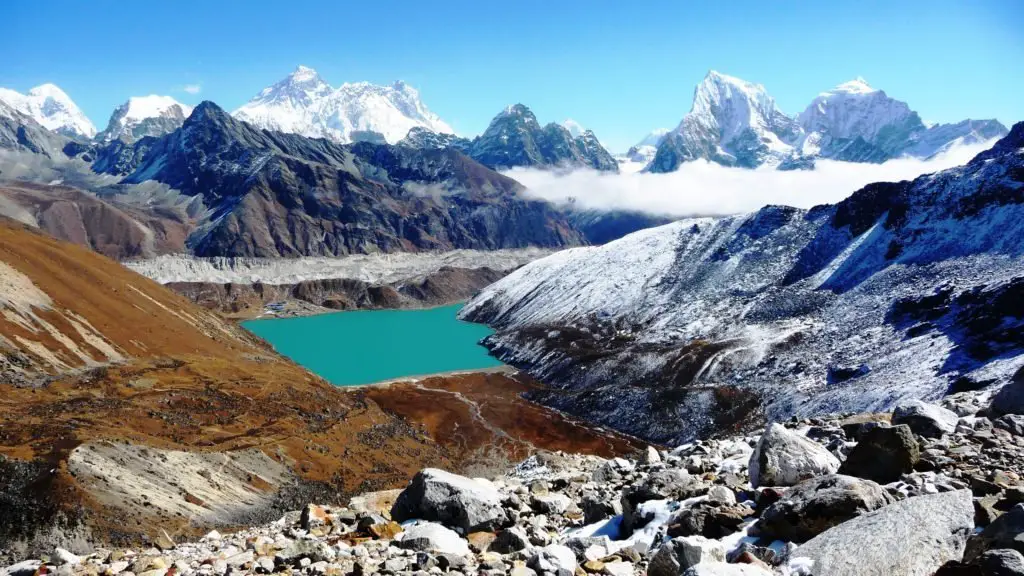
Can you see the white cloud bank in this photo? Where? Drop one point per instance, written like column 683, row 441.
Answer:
column 703, row 188
column 192, row 88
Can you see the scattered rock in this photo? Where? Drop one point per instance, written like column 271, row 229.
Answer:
column 785, row 458
column 511, row 540
column 1010, row 399
column 1006, row 531
column 453, row 500
column 650, row 456
column 883, row 455
column 1012, row 423
column 815, row 505
column 721, row 495
column 913, row 537
column 928, row 420
column 553, row 559
column 1001, row 563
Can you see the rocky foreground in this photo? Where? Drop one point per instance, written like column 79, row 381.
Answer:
column 927, row 489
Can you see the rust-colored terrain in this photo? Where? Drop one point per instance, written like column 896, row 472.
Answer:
column 125, row 408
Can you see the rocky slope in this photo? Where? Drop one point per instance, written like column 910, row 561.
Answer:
column 20, row 132
column 903, row 290
column 515, row 138
column 736, row 123
column 921, row 491
column 127, row 409
column 370, row 198
column 49, row 106
column 302, row 103
column 144, row 116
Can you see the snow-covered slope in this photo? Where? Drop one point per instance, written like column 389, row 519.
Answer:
column 905, row 289
column 145, row 116
column 303, row 103
column 736, row 123
column 640, row 154
column 731, row 122
column 51, row 108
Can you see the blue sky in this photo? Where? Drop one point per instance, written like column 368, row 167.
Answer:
column 620, row 68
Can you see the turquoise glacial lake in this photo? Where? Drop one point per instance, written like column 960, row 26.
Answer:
column 366, row 346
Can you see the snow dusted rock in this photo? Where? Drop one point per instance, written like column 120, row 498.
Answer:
column 553, row 559
column 1010, row 399
column 679, row 554
column 1012, row 423
column 785, row 458
column 66, row 557
column 928, row 420
column 668, row 484
column 432, row 537
column 815, row 505
column 455, row 501
column 883, row 454
column 913, row 537
column 723, row 569
column 24, row 568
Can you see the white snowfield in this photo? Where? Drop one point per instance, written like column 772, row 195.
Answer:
column 51, row 108
column 374, row 269
column 303, row 103
column 138, row 109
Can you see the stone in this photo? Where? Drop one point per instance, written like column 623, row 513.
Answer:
column 1006, row 531
column 721, row 495
column 883, row 455
column 912, row 537
column 650, row 456
column 385, row 531
column 618, row 568
column 62, row 557
column 785, row 458
column 723, row 569
column 709, row 520
column 453, row 500
column 511, row 540
column 553, row 559
column 1012, row 423
column 927, row 420
column 163, row 541
column 480, row 541
column 550, row 503
column 297, row 550
column 432, row 537
column 679, row 554
column 28, row 568
column 595, row 508
column 1003, row 562
column 1010, row 398
column 313, row 516
column 815, row 505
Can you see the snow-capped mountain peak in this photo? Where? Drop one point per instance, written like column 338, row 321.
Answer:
column 856, row 86
column 52, row 108
column 303, row 103
column 141, row 116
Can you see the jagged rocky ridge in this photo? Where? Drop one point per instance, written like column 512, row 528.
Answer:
column 903, row 290
column 736, row 123
column 926, row 490
column 515, row 138
column 144, row 116
column 275, row 194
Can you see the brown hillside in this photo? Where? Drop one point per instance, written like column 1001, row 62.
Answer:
column 125, row 408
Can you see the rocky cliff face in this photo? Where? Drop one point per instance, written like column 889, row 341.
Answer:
column 515, row 138
column 704, row 321
column 144, row 116
column 259, row 187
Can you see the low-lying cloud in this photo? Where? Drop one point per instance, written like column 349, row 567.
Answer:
column 706, row 189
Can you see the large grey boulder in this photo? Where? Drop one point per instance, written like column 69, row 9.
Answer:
column 928, row 420
column 785, row 458
column 1012, row 423
column 432, row 537
column 679, row 554
column 913, row 537
column 1001, row 563
column 883, row 454
column 453, row 500
column 815, row 505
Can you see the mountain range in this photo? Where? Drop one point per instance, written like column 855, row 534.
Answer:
column 737, row 123
column 906, row 289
